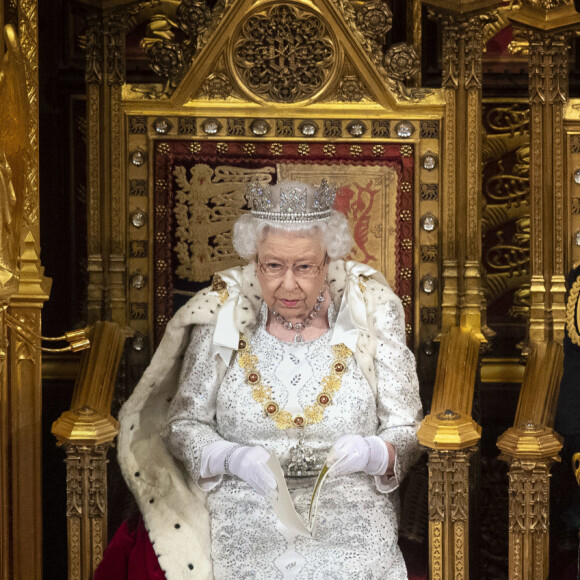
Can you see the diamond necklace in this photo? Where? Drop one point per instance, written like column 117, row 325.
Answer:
column 298, row 327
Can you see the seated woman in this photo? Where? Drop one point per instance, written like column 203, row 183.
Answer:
column 299, row 355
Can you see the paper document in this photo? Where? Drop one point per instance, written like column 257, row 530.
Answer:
column 283, row 505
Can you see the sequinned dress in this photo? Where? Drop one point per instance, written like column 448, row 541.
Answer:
column 356, row 535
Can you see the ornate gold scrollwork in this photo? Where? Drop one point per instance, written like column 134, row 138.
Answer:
column 168, row 57
column 284, row 54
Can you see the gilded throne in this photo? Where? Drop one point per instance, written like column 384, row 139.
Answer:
column 233, row 100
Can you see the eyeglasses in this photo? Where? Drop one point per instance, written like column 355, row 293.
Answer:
column 277, row 270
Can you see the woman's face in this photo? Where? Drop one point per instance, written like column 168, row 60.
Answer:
column 292, row 296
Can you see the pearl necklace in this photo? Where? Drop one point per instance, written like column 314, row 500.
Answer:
column 298, row 327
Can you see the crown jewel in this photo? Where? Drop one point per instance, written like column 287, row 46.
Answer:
column 291, row 201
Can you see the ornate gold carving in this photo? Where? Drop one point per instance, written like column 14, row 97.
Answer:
column 510, row 118
column 14, row 156
column 216, row 86
column 548, row 76
column 94, row 50
column 474, row 51
column 451, row 37
column 449, row 512
column 374, row 19
column 187, row 126
column 401, row 63
column 350, row 89
column 429, row 315
column 168, row 57
column 284, row 54
column 366, row 21
column 573, row 313
column 382, row 128
column 115, row 49
column 28, row 34
column 514, row 258
column 429, row 252
column 117, row 214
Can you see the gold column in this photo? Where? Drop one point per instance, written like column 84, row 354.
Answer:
column 451, row 436
column 548, row 29
column 462, row 27
column 25, row 416
column 105, row 68
column 86, row 433
column 23, row 291
column 529, row 448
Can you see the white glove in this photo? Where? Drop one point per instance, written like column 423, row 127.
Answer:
column 248, row 463
column 357, row 453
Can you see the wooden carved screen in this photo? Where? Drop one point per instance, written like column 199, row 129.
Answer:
column 199, row 193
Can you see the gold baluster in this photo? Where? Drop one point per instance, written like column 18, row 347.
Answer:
column 86, row 433
column 451, row 436
column 530, row 448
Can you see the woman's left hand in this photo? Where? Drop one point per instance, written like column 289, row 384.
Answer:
column 353, row 453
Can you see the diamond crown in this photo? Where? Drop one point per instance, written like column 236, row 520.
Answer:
column 291, row 201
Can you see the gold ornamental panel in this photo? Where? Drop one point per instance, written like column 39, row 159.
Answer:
column 284, row 53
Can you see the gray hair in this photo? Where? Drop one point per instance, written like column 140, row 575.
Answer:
column 249, row 231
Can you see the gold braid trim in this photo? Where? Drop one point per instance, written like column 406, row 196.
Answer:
column 262, row 393
column 573, row 313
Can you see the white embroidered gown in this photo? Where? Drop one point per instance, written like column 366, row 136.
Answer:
column 356, row 535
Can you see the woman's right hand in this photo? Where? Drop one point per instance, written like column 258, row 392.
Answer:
column 249, row 464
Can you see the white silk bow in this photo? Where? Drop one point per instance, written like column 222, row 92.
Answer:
column 352, row 315
column 226, row 336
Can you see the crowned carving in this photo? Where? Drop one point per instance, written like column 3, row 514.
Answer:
column 284, row 54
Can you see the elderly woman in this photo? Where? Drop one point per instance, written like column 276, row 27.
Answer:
column 298, row 355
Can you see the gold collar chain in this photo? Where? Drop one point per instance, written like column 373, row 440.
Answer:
column 263, row 393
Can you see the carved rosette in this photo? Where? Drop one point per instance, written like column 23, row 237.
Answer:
column 402, row 62
column 350, row 89
column 216, row 86
column 284, row 54
column 374, row 19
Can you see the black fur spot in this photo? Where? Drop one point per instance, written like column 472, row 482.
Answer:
column 131, row 429
column 177, row 526
column 152, row 500
column 137, row 474
column 190, row 566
